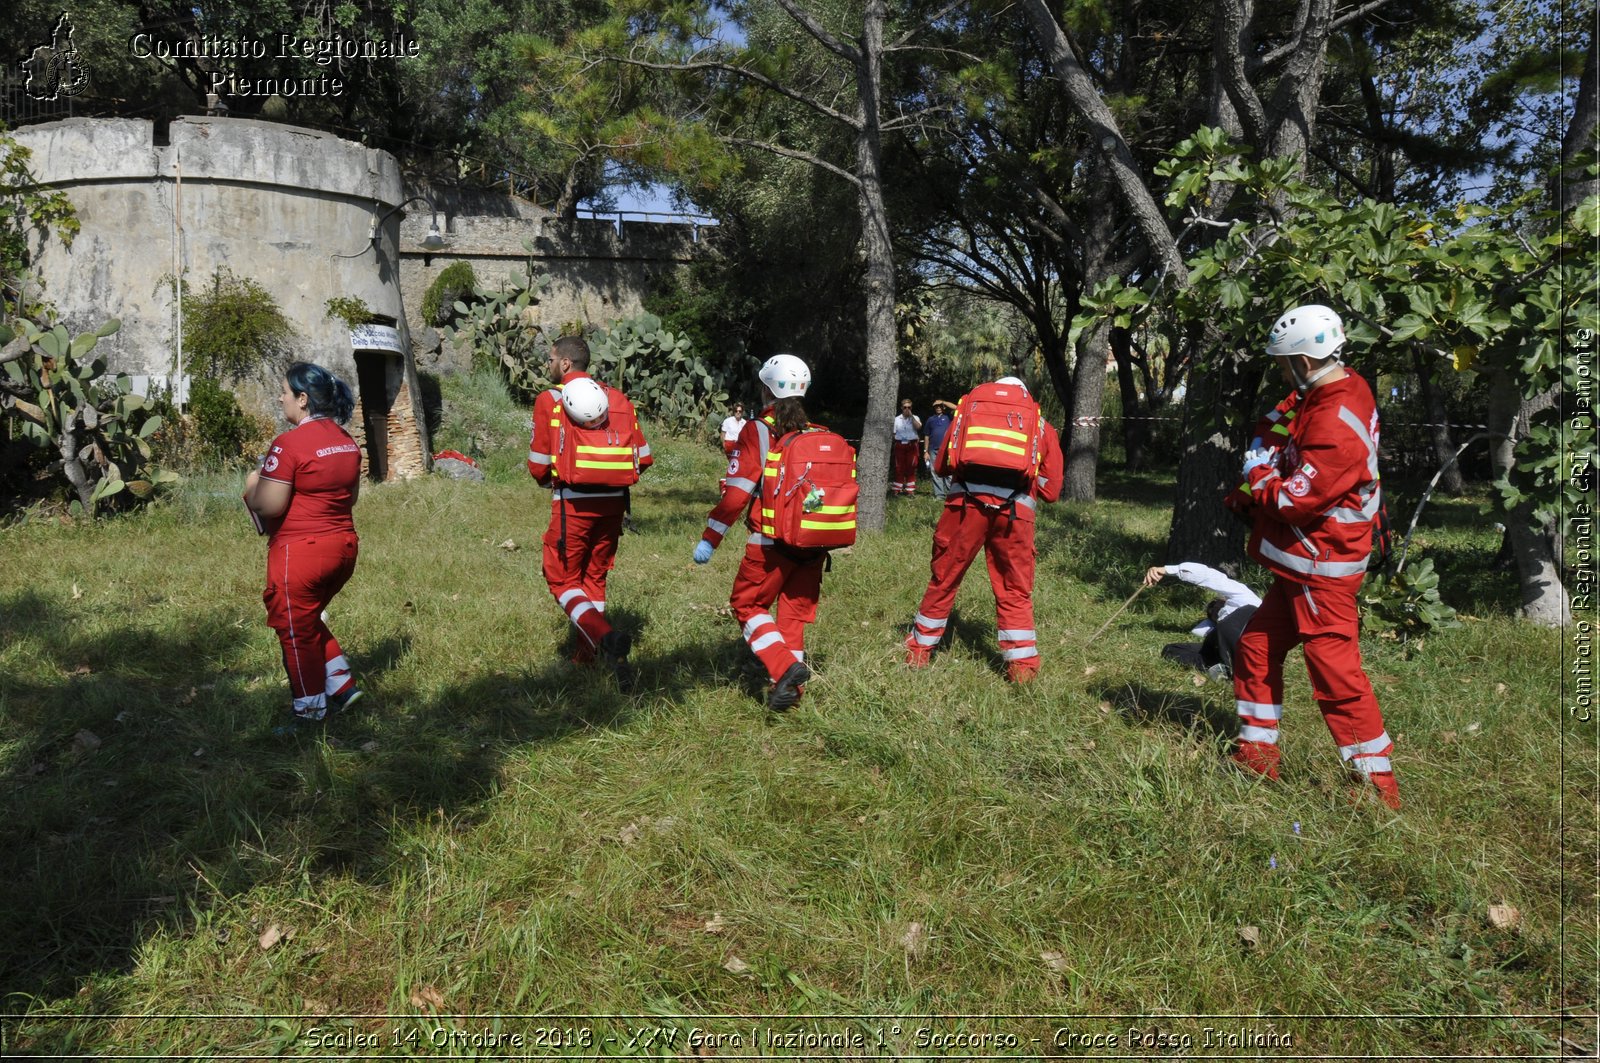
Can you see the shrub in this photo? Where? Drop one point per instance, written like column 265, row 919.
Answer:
column 456, row 282
column 96, row 429
column 233, row 327
column 222, row 433
column 659, row 371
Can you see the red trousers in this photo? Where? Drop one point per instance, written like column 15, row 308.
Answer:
column 577, row 573
column 905, row 468
column 303, row 575
column 768, row 575
column 964, row 529
column 1326, row 624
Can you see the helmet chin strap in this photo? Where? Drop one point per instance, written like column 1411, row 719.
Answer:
column 1302, row 384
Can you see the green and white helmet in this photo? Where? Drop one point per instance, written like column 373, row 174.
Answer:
column 585, row 401
column 786, row 376
column 1312, row 330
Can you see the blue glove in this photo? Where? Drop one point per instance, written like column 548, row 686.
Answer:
column 1254, row 459
column 702, row 552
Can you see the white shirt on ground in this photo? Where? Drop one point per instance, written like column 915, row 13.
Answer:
column 1235, row 595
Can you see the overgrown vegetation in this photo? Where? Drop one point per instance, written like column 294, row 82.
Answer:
column 29, row 214
column 94, row 428
column 661, row 373
column 455, row 283
column 233, row 328
column 349, row 309
column 498, row 831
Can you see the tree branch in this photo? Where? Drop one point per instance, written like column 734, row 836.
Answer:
column 1283, row 51
column 802, row 156
column 929, row 21
column 749, row 75
column 849, row 53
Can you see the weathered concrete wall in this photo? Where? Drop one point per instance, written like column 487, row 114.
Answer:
column 289, row 208
column 293, row 209
column 597, row 273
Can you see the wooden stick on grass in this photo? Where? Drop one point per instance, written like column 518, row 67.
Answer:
column 1138, row 591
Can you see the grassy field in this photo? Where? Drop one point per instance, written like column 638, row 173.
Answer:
column 928, row 864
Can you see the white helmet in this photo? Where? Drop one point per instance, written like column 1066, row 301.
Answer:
column 785, row 376
column 585, row 401
column 1014, row 381
column 1312, row 330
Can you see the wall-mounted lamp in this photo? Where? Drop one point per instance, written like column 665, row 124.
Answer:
column 434, row 241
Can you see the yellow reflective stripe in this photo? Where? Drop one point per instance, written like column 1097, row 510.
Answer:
column 1281, row 429
column 991, row 445
column 834, row 509
column 828, row 525
column 1003, row 433
column 580, row 463
column 768, row 512
column 582, row 449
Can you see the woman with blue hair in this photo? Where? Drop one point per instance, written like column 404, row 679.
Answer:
column 303, row 495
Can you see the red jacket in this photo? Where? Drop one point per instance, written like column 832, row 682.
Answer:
column 1312, row 510
column 1046, row 485
column 748, row 466
column 542, row 451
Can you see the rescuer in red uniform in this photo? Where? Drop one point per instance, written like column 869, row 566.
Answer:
column 999, row 520
column 303, row 494
column 589, row 492
column 1311, row 491
column 770, row 573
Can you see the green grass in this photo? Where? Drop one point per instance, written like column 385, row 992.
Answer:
column 518, row 836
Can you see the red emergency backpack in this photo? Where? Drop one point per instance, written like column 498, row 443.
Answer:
column 601, row 456
column 809, row 490
column 997, row 438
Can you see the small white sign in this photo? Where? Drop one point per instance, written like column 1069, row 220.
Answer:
column 375, row 338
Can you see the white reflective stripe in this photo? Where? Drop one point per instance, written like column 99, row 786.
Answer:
column 757, row 539
column 644, row 451
column 540, row 459
column 566, row 493
column 579, row 609
column 1259, row 709
column 598, row 604
column 1264, row 735
column 1296, row 563
column 1285, row 501
column 717, row 526
column 764, row 641
column 567, row 597
column 305, row 706
column 1020, row 653
column 740, row 483
column 930, row 623
column 799, row 655
column 1360, row 429
column 760, row 620
column 927, row 640
column 1018, row 635
column 1372, row 745
column 1368, row 510
column 1371, row 765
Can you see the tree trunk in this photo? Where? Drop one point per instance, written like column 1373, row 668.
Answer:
column 1444, row 448
column 1088, row 404
column 72, row 466
column 883, row 370
column 1085, row 99
column 1202, row 528
column 1544, row 599
column 1576, row 182
column 1135, row 430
